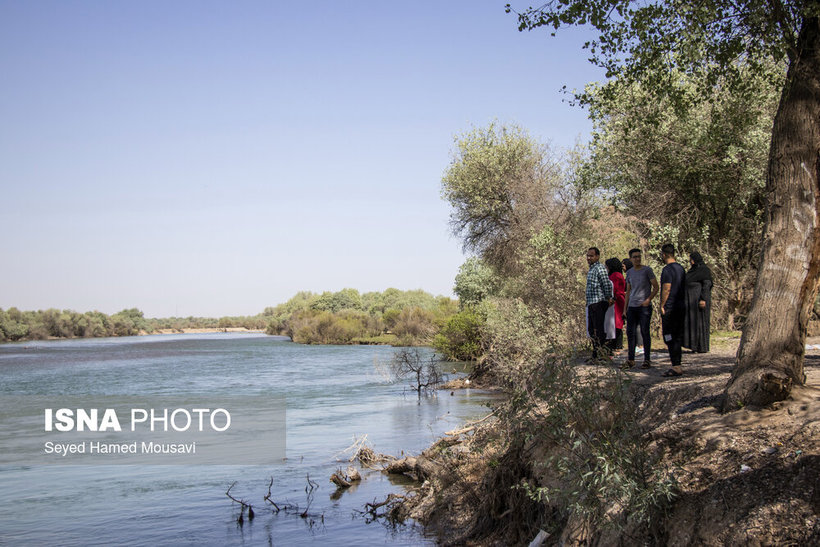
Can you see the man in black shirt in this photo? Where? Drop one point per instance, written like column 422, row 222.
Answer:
column 673, row 307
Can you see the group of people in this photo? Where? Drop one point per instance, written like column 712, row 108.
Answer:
column 612, row 300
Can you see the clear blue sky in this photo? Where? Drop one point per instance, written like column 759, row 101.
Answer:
column 214, row 158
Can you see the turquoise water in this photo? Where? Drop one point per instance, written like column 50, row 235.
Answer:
column 333, row 394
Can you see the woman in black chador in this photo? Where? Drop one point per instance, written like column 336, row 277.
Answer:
column 698, row 305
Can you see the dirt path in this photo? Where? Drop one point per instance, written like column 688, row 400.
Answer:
column 749, row 477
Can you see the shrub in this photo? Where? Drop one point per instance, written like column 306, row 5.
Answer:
column 415, row 324
column 460, row 337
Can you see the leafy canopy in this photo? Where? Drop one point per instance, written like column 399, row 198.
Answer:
column 656, row 42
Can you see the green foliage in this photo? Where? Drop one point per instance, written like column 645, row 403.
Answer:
column 596, row 465
column 533, row 323
column 323, row 327
column 40, row 325
column 692, row 176
column 12, row 328
column 414, row 324
column 279, row 314
column 346, row 299
column 475, row 281
column 381, row 339
column 128, row 322
column 347, row 317
column 460, row 337
column 51, row 323
column 716, row 41
column 523, row 209
column 502, row 186
column 608, row 475
column 390, row 318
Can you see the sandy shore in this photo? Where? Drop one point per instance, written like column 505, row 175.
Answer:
column 201, row 331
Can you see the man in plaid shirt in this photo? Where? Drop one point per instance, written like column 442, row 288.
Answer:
column 599, row 298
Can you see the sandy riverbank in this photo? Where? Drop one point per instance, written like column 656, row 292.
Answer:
column 201, row 331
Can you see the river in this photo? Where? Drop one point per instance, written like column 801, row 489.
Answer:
column 331, row 394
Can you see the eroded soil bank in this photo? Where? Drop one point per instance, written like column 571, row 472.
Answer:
column 749, row 477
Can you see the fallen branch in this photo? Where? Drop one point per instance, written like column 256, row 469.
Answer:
column 418, row 468
column 357, row 446
column 469, row 426
column 393, row 502
column 339, row 480
column 268, row 498
column 344, row 479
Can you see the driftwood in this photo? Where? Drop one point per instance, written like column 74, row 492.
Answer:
column 339, row 481
column 344, row 479
column 418, row 468
column 444, row 442
column 468, row 427
column 367, row 457
column 390, row 509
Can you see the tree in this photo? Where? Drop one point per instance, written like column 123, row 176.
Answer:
column 423, row 371
column 520, row 207
column 475, row 281
column 502, row 186
column 716, row 41
column 460, row 337
column 128, row 322
column 346, row 299
column 696, row 172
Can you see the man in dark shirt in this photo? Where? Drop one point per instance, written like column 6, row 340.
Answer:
column 673, row 307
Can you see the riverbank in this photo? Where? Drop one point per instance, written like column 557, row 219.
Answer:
column 748, row 477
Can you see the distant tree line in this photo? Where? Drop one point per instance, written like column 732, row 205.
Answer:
column 405, row 318
column 348, row 317
column 178, row 324
column 40, row 325
column 16, row 325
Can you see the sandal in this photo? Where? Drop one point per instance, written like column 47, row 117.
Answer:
column 671, row 373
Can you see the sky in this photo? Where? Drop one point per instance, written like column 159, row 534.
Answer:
column 214, row 158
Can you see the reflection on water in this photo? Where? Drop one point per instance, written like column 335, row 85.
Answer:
column 334, row 393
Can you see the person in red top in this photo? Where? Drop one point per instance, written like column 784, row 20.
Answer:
column 615, row 269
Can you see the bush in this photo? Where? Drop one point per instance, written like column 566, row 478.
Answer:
column 460, row 337
column 415, row 324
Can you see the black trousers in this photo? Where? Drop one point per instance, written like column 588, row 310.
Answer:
column 595, row 327
column 638, row 316
column 672, row 322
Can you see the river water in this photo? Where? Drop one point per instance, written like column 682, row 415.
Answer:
column 332, row 394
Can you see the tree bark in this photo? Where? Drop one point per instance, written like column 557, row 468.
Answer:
column 770, row 357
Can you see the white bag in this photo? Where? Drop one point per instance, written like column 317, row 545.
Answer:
column 609, row 323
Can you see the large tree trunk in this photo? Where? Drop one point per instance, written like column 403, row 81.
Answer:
column 770, row 357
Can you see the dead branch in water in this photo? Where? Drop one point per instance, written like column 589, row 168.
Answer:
column 392, row 502
column 241, row 518
column 424, row 373
column 362, row 451
column 359, row 444
column 287, row 508
column 268, row 498
column 344, row 479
